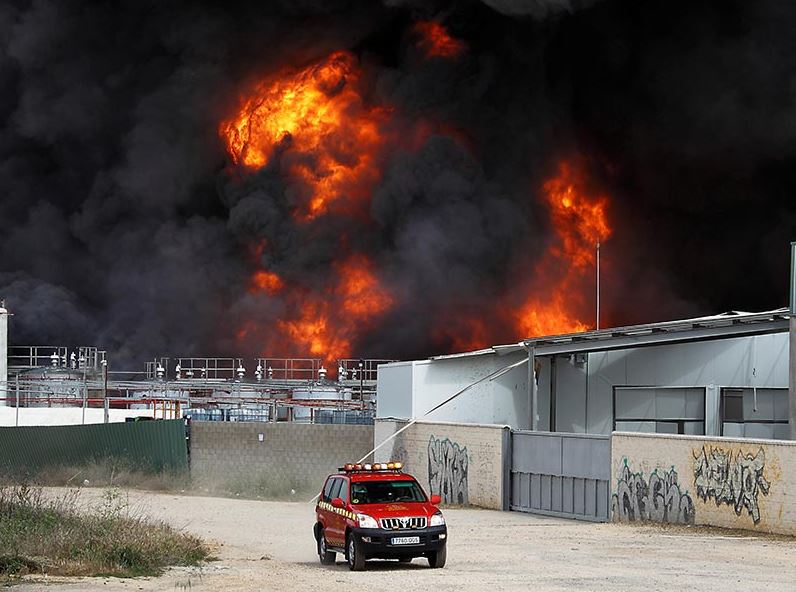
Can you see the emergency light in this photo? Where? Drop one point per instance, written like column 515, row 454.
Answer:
column 388, row 466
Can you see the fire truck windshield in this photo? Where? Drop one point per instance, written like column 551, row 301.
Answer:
column 385, row 492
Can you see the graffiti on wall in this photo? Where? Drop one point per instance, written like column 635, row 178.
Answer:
column 735, row 480
column 657, row 499
column 447, row 470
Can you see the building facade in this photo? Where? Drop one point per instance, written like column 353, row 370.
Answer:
column 725, row 375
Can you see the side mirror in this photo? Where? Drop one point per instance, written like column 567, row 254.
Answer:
column 436, row 500
column 338, row 503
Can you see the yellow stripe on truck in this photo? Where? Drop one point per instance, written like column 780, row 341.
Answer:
column 340, row 511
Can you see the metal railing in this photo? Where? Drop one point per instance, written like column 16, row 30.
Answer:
column 29, row 357
column 356, row 370
column 289, row 368
column 210, row 368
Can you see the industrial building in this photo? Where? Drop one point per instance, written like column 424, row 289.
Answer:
column 58, row 385
column 719, row 375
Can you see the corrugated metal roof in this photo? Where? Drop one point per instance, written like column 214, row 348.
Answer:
column 728, row 324
column 478, row 352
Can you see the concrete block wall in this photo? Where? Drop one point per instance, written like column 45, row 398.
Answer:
column 463, row 463
column 276, row 457
column 726, row 482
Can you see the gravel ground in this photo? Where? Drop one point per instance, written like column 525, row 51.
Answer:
column 269, row 546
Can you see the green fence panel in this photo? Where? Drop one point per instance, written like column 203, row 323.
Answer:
column 145, row 445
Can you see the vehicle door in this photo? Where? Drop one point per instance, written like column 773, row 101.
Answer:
column 345, row 496
column 335, row 529
column 324, row 513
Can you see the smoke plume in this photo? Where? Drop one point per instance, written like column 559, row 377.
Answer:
column 421, row 215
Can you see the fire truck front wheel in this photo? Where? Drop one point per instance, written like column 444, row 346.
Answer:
column 437, row 559
column 355, row 556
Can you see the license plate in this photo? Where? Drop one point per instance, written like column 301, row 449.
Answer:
column 406, row 540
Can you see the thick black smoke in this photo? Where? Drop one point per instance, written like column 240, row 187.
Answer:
column 122, row 223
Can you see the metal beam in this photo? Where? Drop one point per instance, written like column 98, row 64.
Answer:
column 793, row 278
column 533, row 389
column 792, row 380
column 792, row 347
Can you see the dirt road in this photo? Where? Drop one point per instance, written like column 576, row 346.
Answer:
column 269, row 546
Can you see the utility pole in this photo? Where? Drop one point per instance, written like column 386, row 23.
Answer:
column 792, row 348
column 598, row 284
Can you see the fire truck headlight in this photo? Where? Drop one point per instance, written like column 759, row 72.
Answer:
column 437, row 519
column 366, row 521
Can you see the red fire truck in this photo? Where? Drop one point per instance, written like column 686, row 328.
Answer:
column 376, row 511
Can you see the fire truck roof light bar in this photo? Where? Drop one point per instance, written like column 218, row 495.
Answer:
column 357, row 467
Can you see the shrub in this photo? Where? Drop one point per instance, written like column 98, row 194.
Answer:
column 60, row 536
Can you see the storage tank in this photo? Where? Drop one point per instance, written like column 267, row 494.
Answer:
column 304, row 393
column 3, row 354
column 52, row 387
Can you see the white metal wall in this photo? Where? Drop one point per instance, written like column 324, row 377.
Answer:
column 584, row 391
column 394, row 391
column 410, row 389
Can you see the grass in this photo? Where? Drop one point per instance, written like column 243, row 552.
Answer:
column 107, row 472
column 110, row 472
column 61, row 536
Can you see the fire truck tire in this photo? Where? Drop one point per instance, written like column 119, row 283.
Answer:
column 356, row 559
column 327, row 557
column 437, row 559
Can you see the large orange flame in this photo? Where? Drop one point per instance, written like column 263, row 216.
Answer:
column 579, row 219
column 435, row 41
column 326, row 324
column 580, row 222
column 318, row 113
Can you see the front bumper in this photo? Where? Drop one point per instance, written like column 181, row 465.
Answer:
column 376, row 543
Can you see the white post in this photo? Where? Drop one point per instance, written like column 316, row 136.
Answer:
column 17, row 419
column 105, row 403
column 3, row 356
column 85, row 397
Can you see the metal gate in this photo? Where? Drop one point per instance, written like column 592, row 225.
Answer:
column 560, row 474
